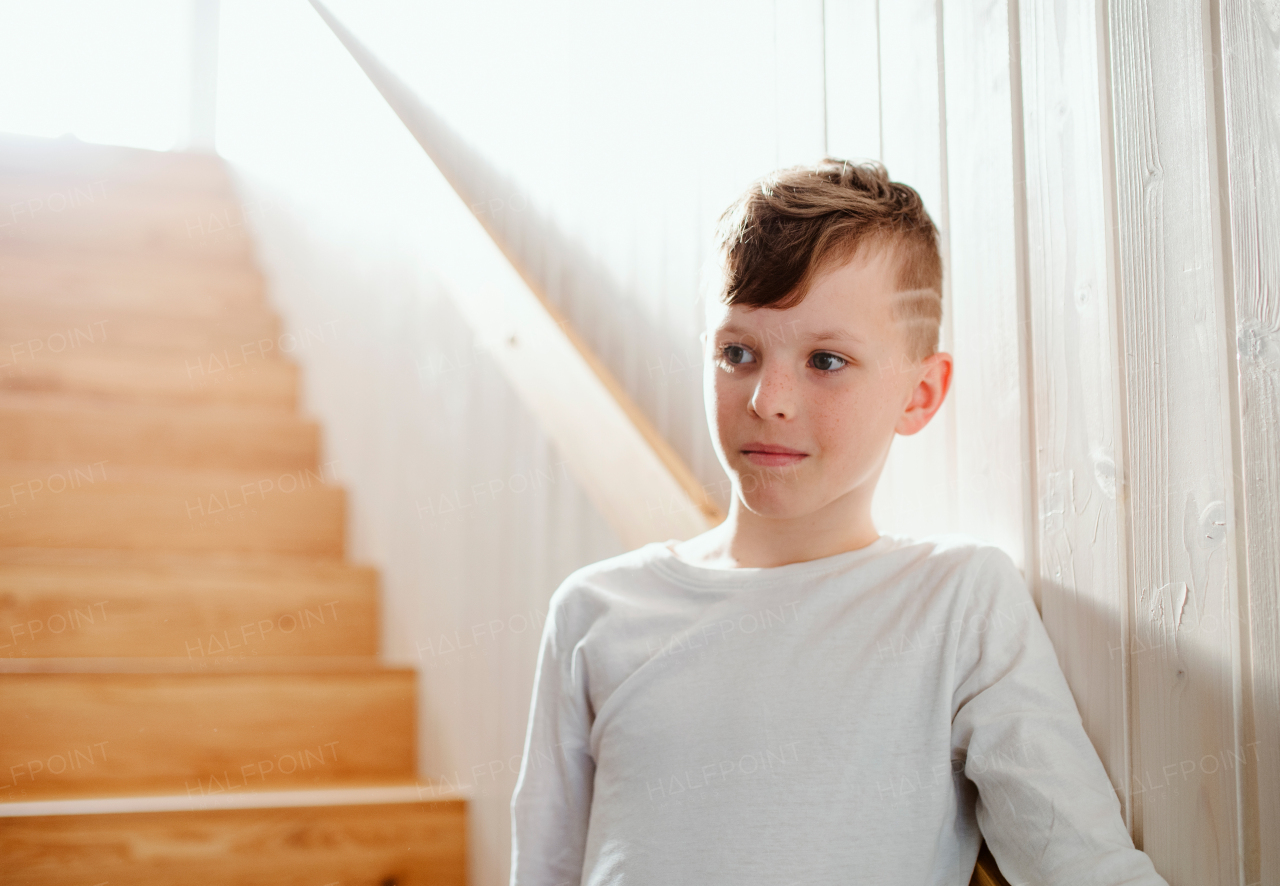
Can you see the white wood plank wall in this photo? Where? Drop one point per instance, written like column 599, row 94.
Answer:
column 1184, row 656
column 1075, row 407
column 1247, row 41
column 1104, row 175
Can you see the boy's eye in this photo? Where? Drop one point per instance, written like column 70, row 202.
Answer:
column 737, row 355
column 822, row 356
column 730, row 352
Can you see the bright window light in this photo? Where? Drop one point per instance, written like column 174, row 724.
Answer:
column 113, row 73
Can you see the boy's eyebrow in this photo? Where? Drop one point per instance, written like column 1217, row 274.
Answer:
column 833, row 335
column 826, row 335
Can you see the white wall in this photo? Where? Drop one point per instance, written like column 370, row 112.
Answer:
column 112, row 73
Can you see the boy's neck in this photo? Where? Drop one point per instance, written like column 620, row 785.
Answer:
column 746, row 540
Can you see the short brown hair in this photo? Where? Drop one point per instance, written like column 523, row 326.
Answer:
column 794, row 222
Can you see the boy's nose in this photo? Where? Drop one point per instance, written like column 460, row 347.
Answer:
column 774, row 394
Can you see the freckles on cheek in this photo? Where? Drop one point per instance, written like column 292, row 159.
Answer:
column 837, row 421
column 832, row 411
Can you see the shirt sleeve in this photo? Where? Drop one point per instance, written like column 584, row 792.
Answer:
column 552, row 800
column 1045, row 804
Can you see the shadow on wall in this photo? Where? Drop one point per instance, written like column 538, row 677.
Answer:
column 563, row 274
column 1188, row 650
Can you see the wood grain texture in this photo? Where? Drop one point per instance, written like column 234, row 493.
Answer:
column 1188, row 752
column 409, row 844
column 118, row 280
column 61, row 324
column 223, row 376
column 77, row 735
column 985, row 872
column 104, row 506
column 1250, row 51
column 84, row 430
column 198, row 608
column 1075, row 407
column 106, row 215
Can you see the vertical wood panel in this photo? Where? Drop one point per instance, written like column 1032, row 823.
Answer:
column 1075, row 404
column 1250, row 48
column 1187, row 751
column 852, row 41
column 916, row 494
column 986, row 278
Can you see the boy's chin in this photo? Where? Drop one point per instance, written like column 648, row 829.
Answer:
column 776, row 502
column 776, row 510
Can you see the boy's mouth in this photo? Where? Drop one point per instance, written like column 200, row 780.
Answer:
column 768, row 455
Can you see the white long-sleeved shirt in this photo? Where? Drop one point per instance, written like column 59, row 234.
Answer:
column 851, row 719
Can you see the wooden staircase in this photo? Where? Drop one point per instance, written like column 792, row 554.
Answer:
column 189, row 683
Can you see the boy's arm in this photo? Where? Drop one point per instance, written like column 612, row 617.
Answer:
column 1045, row 806
column 552, row 799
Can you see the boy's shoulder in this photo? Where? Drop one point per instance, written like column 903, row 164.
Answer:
column 956, row 569
column 959, row 549
column 973, row 560
column 595, row 584
column 982, row 580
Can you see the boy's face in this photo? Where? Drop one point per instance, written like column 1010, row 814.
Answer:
column 829, row 378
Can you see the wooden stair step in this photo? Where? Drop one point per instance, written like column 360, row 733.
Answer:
column 103, row 734
column 141, row 236
column 73, row 213
column 218, row 663
column 86, row 430
column 193, row 608
column 49, row 327
column 45, row 208
column 409, row 836
column 126, row 281
column 122, row 558
column 96, row 300
column 381, row 792
column 107, row 506
column 74, row 261
column 49, row 196
column 132, row 374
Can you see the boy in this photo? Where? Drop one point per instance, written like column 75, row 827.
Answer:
column 792, row 697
